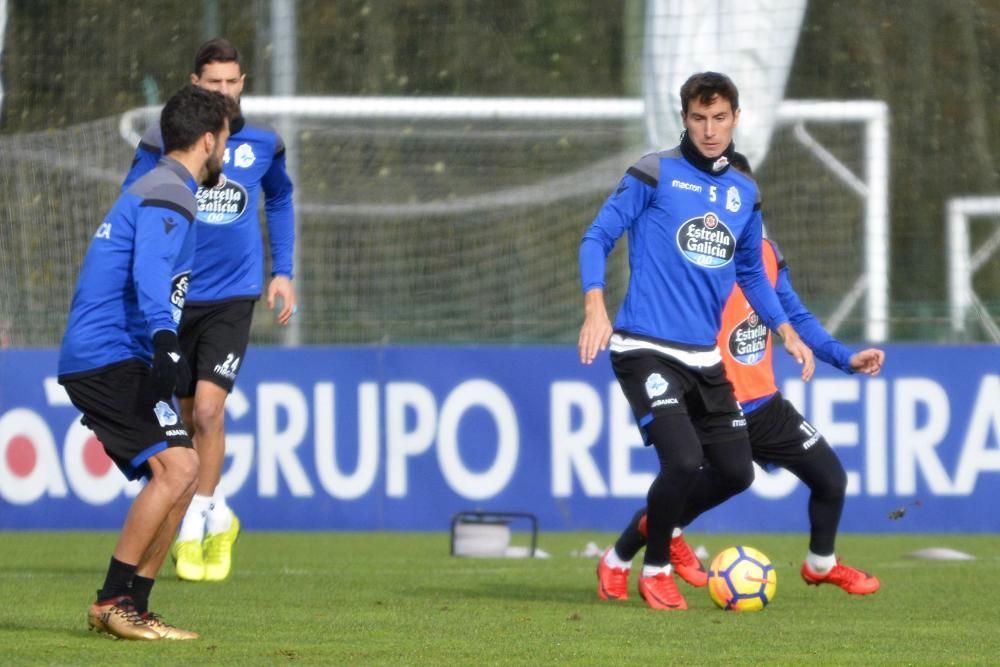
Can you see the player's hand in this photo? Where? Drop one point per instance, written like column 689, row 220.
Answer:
column 868, row 361
column 596, row 329
column 281, row 287
column 799, row 350
column 169, row 368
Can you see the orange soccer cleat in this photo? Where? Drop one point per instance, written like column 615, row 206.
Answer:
column 686, row 563
column 854, row 581
column 612, row 582
column 660, row 592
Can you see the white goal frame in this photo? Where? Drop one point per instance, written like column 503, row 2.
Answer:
column 963, row 263
column 872, row 187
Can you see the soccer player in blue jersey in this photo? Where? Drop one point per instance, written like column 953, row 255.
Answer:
column 120, row 359
column 694, row 229
column 779, row 436
column 226, row 282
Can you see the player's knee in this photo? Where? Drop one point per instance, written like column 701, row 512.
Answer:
column 832, row 485
column 734, row 466
column 208, row 415
column 181, row 471
column 681, row 466
column 740, row 478
column 827, row 477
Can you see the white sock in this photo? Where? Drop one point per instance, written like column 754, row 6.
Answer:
column 193, row 525
column 677, row 532
column 820, row 564
column 614, row 561
column 653, row 570
column 219, row 518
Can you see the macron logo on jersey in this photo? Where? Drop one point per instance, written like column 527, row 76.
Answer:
column 681, row 185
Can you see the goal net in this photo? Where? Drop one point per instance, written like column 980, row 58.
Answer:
column 448, row 220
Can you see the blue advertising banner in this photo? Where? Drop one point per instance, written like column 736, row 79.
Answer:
column 402, row 438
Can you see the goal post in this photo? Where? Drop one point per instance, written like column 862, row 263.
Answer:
column 963, row 263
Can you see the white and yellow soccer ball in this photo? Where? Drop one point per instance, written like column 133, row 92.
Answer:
column 741, row 578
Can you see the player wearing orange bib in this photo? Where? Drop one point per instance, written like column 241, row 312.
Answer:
column 779, row 437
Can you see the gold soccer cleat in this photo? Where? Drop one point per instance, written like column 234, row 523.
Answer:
column 164, row 629
column 118, row 618
column 219, row 551
column 189, row 560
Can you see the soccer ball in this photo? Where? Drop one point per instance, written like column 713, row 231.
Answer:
column 741, row 579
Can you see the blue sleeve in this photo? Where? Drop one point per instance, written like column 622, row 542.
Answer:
column 752, row 278
column 280, row 215
column 159, row 236
column 145, row 159
column 619, row 211
column 824, row 346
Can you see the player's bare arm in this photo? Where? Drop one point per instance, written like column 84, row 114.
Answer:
column 799, row 350
column 596, row 329
column 868, row 362
column 281, row 288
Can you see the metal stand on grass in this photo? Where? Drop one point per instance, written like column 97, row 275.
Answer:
column 487, row 534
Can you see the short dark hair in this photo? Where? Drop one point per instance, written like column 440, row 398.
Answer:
column 190, row 113
column 705, row 86
column 740, row 163
column 217, row 50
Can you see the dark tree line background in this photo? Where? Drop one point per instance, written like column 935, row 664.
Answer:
column 936, row 64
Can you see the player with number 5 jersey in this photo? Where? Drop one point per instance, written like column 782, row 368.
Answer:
column 694, row 230
column 779, row 437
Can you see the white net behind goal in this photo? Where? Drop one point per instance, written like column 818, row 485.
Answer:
column 423, row 227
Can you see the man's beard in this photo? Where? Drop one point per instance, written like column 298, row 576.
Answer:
column 214, row 169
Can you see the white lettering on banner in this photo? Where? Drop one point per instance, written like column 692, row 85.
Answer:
column 334, row 482
column 485, row 394
column 21, row 427
column 876, row 438
column 915, row 412
column 984, row 427
column 826, row 394
column 915, row 444
column 239, row 446
column 623, row 437
column 570, row 449
column 277, row 448
column 401, row 444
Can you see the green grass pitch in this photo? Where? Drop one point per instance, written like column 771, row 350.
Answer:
column 400, row 599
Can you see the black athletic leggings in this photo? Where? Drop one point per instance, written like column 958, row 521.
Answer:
column 684, row 481
column 821, row 471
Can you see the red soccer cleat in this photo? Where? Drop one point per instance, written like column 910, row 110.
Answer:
column 612, row 582
column 686, row 563
column 854, row 581
column 682, row 557
column 660, row 592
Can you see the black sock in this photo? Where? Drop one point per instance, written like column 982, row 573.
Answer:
column 117, row 582
column 631, row 540
column 141, row 586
